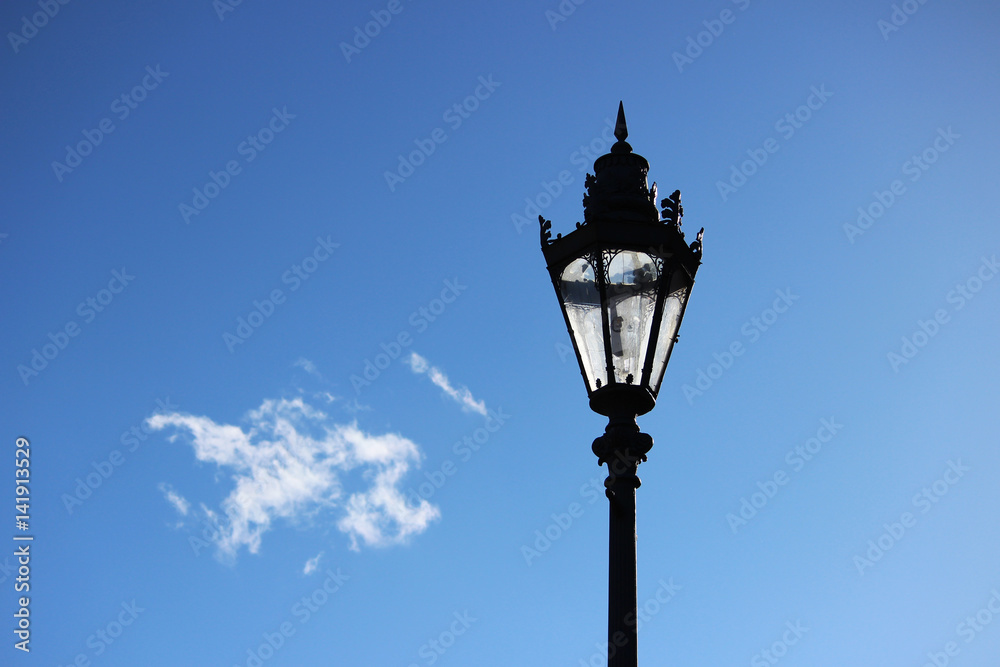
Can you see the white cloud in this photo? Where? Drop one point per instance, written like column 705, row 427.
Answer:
column 177, row 500
column 312, row 564
column 307, row 366
column 462, row 395
column 291, row 462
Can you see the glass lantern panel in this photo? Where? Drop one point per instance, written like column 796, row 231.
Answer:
column 631, row 293
column 582, row 301
column 670, row 321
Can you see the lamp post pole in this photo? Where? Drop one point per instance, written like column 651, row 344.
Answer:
column 622, row 447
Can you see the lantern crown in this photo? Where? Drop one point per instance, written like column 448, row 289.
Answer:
column 618, row 187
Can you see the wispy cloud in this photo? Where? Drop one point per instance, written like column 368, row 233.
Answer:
column 312, row 564
column 290, row 461
column 310, row 367
column 177, row 500
column 461, row 395
column 307, row 366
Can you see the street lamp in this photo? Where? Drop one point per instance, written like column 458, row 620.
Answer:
column 623, row 278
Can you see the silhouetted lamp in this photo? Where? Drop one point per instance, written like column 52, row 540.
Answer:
column 623, row 278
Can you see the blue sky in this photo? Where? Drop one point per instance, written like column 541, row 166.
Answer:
column 279, row 331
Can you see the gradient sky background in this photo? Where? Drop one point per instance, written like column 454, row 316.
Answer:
column 312, row 465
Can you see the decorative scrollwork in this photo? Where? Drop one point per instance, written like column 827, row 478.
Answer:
column 546, row 234
column 696, row 245
column 590, row 183
column 607, row 255
column 673, row 212
column 657, row 255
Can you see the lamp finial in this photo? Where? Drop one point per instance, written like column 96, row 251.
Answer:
column 621, row 130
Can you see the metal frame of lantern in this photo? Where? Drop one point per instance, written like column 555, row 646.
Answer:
column 620, row 216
